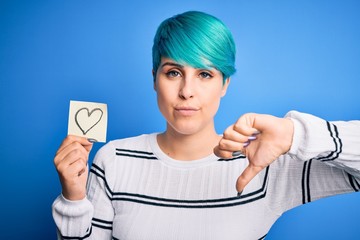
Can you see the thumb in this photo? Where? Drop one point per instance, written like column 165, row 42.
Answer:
column 246, row 176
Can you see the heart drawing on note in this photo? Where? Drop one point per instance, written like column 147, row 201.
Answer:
column 87, row 120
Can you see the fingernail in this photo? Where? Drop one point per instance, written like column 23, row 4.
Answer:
column 239, row 193
column 92, row 140
column 246, row 143
column 236, row 153
column 256, row 133
column 252, row 137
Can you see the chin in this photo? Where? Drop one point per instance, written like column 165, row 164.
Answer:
column 186, row 129
column 187, row 132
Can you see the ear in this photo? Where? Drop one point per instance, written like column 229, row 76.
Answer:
column 154, row 79
column 225, row 87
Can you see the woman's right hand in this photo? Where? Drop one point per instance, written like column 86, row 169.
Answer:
column 71, row 164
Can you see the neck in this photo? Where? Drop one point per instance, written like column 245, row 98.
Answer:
column 188, row 146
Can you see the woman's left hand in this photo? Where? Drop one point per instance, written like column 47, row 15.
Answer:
column 261, row 138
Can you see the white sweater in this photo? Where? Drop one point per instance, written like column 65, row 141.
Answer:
column 135, row 191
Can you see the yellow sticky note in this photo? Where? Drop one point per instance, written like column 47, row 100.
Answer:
column 88, row 119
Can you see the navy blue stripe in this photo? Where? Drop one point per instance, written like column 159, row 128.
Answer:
column 231, row 159
column 117, row 194
column 308, row 182
column 263, row 237
column 102, row 227
column 89, row 233
column 135, row 156
column 98, row 168
column 78, row 238
column 133, row 151
column 195, row 201
column 97, row 174
column 356, row 182
column 303, row 183
column 103, row 178
column 332, row 136
column 351, row 180
column 192, row 206
column 102, row 221
column 90, row 230
column 338, row 144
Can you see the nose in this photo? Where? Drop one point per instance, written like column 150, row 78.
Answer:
column 186, row 89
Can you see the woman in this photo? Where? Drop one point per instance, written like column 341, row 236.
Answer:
column 180, row 184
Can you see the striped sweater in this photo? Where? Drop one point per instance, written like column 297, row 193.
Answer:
column 135, row 191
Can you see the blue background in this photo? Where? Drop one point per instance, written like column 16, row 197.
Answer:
column 302, row 55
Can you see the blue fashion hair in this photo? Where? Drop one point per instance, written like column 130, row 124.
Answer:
column 196, row 39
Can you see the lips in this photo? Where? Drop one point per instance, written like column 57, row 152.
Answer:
column 186, row 110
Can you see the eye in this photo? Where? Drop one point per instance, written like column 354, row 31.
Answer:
column 205, row 75
column 172, row 74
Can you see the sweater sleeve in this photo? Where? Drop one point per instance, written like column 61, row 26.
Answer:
column 72, row 218
column 336, row 144
column 90, row 218
column 324, row 160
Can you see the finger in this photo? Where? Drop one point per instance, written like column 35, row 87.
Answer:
column 69, row 142
column 231, row 134
column 222, row 153
column 75, row 148
column 71, row 138
column 83, row 141
column 228, row 149
column 76, row 154
column 246, row 176
column 77, row 168
column 231, row 146
column 245, row 123
column 71, row 161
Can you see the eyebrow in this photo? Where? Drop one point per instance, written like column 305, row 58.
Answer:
column 172, row 64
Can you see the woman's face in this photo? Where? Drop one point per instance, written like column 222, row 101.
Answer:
column 188, row 97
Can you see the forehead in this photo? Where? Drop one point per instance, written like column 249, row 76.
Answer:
column 165, row 61
column 170, row 62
